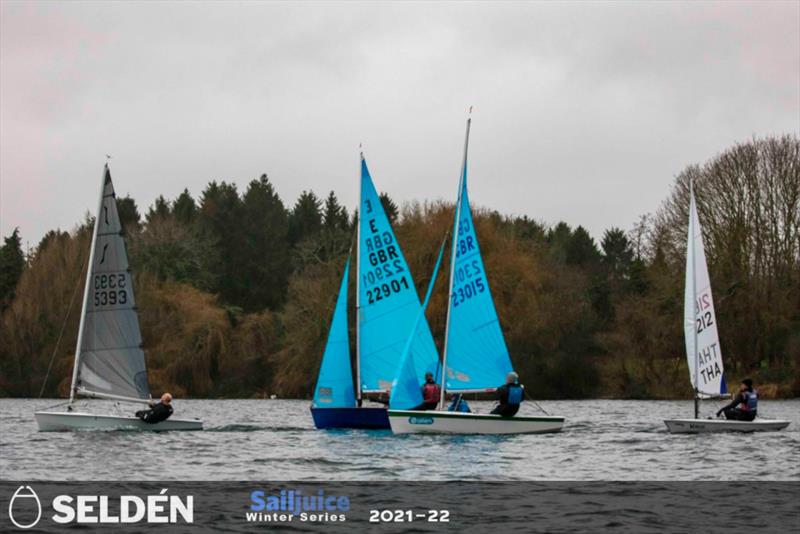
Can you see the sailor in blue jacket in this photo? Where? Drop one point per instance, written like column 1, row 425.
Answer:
column 744, row 406
column 509, row 396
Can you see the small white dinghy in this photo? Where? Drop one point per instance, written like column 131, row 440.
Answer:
column 702, row 342
column 698, row 426
column 475, row 358
column 436, row 422
column 67, row 421
column 109, row 360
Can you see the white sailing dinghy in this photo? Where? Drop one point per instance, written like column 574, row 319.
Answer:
column 702, row 342
column 475, row 358
column 109, row 360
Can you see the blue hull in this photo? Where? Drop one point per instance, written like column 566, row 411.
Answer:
column 365, row 418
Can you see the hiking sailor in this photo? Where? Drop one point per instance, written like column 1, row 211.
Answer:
column 509, row 396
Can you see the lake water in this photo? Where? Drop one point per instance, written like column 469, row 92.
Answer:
column 276, row 440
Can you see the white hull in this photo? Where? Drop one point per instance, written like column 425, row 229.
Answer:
column 67, row 421
column 435, row 422
column 696, row 426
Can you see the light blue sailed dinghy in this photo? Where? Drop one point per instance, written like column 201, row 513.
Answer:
column 387, row 307
column 475, row 355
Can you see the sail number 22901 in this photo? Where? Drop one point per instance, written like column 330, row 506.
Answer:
column 110, row 289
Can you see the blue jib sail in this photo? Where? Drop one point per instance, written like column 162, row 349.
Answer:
column 335, row 382
column 477, row 357
column 388, row 301
column 406, row 388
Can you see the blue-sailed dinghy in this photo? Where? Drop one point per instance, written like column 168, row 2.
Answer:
column 703, row 352
column 475, row 357
column 387, row 307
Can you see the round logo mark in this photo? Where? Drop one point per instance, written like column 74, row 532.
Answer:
column 24, row 492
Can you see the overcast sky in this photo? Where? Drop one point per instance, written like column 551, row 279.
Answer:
column 582, row 112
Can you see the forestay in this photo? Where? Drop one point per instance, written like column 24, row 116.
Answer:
column 110, row 358
column 476, row 354
column 406, row 392
column 335, row 383
column 700, row 323
column 388, row 302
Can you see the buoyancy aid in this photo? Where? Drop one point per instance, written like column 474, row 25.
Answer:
column 514, row 394
column 750, row 403
column 430, row 392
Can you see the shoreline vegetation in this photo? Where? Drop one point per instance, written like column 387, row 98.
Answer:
column 236, row 290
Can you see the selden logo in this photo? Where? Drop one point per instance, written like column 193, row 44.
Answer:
column 289, row 505
column 93, row 509
column 21, row 508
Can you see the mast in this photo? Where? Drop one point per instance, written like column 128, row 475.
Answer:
column 86, row 288
column 358, row 282
column 692, row 211
column 461, row 186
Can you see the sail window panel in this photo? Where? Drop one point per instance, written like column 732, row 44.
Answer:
column 111, row 329
column 116, row 372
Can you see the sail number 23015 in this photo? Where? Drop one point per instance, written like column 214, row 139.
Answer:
column 110, row 289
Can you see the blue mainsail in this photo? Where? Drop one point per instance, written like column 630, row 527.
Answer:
column 406, row 392
column 475, row 350
column 388, row 302
column 335, row 382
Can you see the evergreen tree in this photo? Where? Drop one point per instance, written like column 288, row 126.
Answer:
column 12, row 263
column 558, row 238
column 128, row 214
column 220, row 220
column 581, row 249
column 334, row 215
column 391, row 209
column 306, row 218
column 617, row 257
column 264, row 265
column 184, row 208
column 159, row 210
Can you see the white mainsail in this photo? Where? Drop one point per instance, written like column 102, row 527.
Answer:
column 700, row 322
column 109, row 360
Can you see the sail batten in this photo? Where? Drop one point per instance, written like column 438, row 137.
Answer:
column 703, row 353
column 109, row 358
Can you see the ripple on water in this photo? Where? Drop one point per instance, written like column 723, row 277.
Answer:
column 602, row 440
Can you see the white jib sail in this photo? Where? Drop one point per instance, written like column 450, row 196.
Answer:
column 700, row 323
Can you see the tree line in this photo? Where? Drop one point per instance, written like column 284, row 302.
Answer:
column 236, row 289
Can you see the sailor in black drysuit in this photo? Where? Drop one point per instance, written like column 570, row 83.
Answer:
column 509, row 396
column 747, row 401
column 159, row 411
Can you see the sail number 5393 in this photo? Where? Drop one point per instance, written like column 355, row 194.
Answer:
column 408, row 516
column 110, row 289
